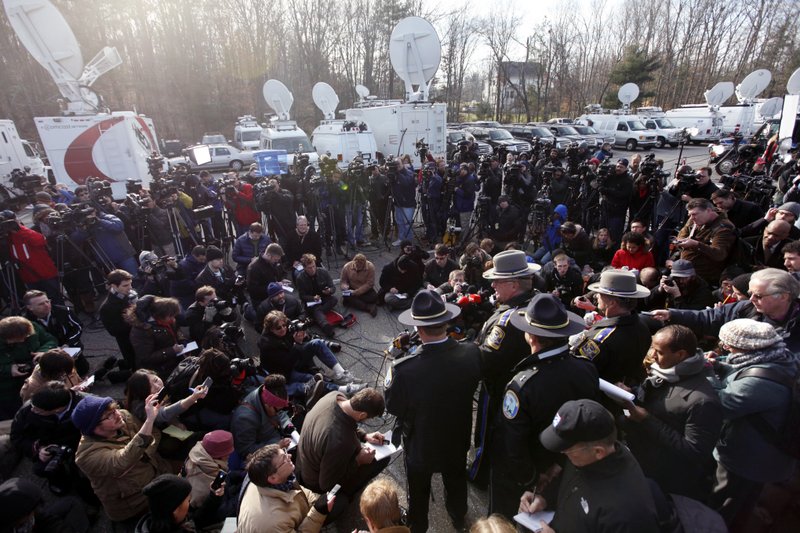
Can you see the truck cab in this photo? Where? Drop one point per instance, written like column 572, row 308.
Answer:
column 17, row 153
column 287, row 135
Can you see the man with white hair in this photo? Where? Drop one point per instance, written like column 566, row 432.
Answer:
column 773, row 299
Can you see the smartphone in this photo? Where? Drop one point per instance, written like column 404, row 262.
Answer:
column 161, row 395
column 333, row 491
column 219, row 480
column 208, row 382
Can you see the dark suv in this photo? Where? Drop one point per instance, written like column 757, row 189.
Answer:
column 498, row 137
column 529, row 132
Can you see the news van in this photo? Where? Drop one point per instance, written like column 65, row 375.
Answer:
column 246, row 133
column 628, row 130
column 16, row 152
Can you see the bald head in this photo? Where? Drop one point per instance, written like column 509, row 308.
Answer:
column 775, row 232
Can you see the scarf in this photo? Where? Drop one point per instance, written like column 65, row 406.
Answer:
column 777, row 353
column 688, row 367
column 286, row 486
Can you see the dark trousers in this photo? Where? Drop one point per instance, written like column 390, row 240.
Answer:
column 419, row 494
column 504, row 492
column 362, row 302
column 317, row 312
column 126, row 348
column 733, row 496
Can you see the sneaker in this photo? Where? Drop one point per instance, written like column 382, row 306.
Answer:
column 344, row 378
column 110, row 363
column 353, row 388
column 100, row 373
column 317, row 392
column 119, row 376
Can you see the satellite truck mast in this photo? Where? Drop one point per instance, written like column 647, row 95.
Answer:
column 86, row 140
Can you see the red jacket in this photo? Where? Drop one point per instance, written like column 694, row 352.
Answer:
column 29, row 249
column 637, row 261
column 243, row 206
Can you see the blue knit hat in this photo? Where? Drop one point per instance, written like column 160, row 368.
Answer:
column 87, row 414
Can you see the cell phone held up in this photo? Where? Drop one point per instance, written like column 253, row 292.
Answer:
column 219, row 480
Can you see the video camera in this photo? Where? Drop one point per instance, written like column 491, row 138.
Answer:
column 243, row 367
column 81, row 216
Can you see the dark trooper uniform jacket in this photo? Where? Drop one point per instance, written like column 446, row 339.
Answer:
column 617, row 346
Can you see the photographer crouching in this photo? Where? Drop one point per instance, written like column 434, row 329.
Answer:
column 155, row 274
column 285, row 350
column 110, row 240
column 207, row 311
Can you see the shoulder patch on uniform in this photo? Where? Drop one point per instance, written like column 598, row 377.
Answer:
column 510, row 404
column 604, row 334
column 495, row 337
column 505, row 317
column 589, row 349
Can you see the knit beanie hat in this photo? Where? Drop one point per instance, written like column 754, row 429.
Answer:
column 274, row 289
column 792, row 207
column 86, row 415
column 742, row 282
column 165, row 494
column 212, row 252
column 748, row 335
column 218, row 443
column 18, row 498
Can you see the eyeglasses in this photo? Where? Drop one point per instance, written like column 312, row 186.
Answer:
column 110, row 415
column 570, row 451
column 754, row 296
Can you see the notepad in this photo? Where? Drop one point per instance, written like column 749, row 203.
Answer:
column 85, row 384
column 288, row 288
column 384, row 450
column 295, row 436
column 313, row 303
column 73, row 352
column 532, row 520
column 614, row 392
column 189, row 348
column 178, row 433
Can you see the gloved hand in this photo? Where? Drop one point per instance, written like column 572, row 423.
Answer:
column 322, row 506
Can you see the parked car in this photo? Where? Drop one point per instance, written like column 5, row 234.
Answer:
column 223, row 156
column 566, row 131
column 529, row 132
column 560, row 120
column 592, row 136
column 455, row 136
column 172, row 147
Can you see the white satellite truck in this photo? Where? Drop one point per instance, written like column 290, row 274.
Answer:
column 246, row 133
column 86, row 140
column 341, row 139
column 402, row 126
column 281, row 133
column 17, row 153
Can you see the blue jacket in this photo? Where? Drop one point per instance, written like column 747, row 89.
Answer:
column 552, row 236
column 243, row 249
column 109, row 235
column 465, row 193
column 404, row 189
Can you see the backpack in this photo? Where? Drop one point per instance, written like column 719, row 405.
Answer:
column 788, row 438
column 178, row 382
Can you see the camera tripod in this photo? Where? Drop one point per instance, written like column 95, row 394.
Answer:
column 101, row 262
column 10, row 283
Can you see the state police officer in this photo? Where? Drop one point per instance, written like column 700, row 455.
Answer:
column 618, row 344
column 544, row 380
column 430, row 392
column 502, row 346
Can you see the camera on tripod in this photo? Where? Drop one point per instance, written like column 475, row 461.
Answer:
column 29, row 184
column 59, row 454
column 155, row 163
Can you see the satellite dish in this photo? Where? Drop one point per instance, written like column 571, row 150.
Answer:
column 325, row 99
column 628, row 93
column 720, row 92
column 45, row 33
column 771, row 107
column 753, row 84
column 362, row 91
column 279, row 98
column 793, row 85
column 415, row 52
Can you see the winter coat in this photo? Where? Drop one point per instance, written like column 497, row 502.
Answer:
column 15, row 354
column 111, row 315
column 36, row 381
column 360, row 281
column 638, row 261
column 244, row 251
column 279, row 355
column 184, row 288
column 404, row 189
column 109, row 235
column 296, row 246
column 674, row 443
column 552, row 235
column 260, row 274
column 708, row 321
column 391, row 277
column 306, row 285
column 224, row 286
column 153, row 345
column 119, row 468
column 292, row 308
column 252, row 428
column 201, row 469
column 29, row 249
column 243, row 206
column 30, row 429
column 267, row 509
column 717, row 240
column 63, row 324
column 465, row 193
column 742, row 448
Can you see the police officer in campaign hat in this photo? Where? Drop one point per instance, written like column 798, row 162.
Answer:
column 501, row 345
column 544, row 380
column 431, row 391
column 617, row 344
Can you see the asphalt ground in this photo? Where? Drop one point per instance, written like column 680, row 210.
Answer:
column 362, row 353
